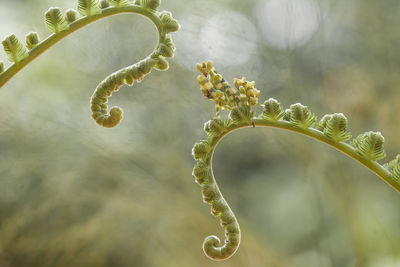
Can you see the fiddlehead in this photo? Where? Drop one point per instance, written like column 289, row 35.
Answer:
column 332, row 129
column 62, row 25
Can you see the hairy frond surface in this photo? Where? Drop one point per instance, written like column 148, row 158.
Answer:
column 32, row 39
column 14, row 49
column 336, row 128
column 119, row 3
column 55, row 20
column 370, row 145
column 88, row 7
column 71, row 15
column 394, row 167
column 272, row 110
column 301, row 116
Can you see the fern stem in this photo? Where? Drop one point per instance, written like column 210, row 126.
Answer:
column 76, row 25
column 347, row 149
column 212, row 246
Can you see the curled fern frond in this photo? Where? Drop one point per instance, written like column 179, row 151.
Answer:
column 332, row 130
column 71, row 15
column 336, row 128
column 394, row 167
column 112, row 83
column 55, row 20
column 1, row 67
column 150, row 4
column 14, row 49
column 88, row 7
column 118, row 3
column 272, row 110
column 301, row 117
column 370, row 145
column 32, row 39
column 62, row 25
column 104, row 4
column 169, row 24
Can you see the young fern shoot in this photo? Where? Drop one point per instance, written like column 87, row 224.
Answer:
column 62, row 25
column 367, row 148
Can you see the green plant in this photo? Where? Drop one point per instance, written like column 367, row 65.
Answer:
column 61, row 25
column 366, row 148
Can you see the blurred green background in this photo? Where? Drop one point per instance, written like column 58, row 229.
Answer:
column 75, row 194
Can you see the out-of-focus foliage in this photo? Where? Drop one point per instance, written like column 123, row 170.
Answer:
column 74, row 194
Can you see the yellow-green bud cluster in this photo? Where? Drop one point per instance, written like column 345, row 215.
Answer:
column 214, row 87
column 248, row 92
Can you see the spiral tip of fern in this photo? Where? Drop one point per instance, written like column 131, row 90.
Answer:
column 112, row 120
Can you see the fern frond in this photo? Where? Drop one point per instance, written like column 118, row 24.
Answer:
column 161, row 64
column 55, row 20
column 71, row 15
column 272, row 110
column 301, row 117
column 32, row 39
column 88, row 7
column 394, row 167
column 332, row 130
column 104, row 4
column 150, row 4
column 287, row 115
column 200, row 150
column 14, row 49
column 370, row 145
column 216, row 126
column 1, row 67
column 202, row 172
column 321, row 125
column 241, row 114
column 166, row 47
column 336, row 128
column 119, row 3
column 169, row 24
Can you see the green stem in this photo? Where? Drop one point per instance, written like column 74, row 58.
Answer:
column 347, row 149
column 220, row 208
column 76, row 25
